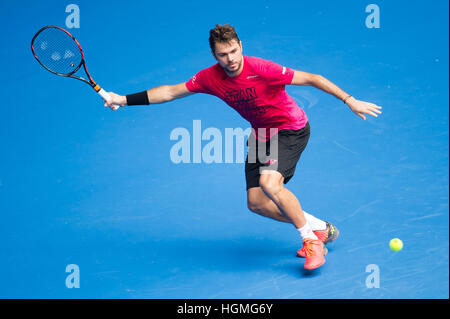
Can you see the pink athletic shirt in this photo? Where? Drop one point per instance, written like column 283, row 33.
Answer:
column 258, row 94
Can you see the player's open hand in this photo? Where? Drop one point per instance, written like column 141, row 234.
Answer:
column 360, row 108
column 116, row 101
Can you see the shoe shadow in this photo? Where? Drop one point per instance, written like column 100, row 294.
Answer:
column 298, row 270
column 310, row 273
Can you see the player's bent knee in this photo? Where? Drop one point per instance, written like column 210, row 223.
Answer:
column 253, row 204
column 253, row 207
column 257, row 208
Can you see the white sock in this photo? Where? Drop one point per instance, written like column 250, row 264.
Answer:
column 307, row 232
column 316, row 223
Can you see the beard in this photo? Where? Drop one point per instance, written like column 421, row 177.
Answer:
column 236, row 66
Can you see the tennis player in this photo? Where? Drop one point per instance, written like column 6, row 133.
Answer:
column 255, row 88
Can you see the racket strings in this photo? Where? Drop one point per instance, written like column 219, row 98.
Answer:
column 57, row 51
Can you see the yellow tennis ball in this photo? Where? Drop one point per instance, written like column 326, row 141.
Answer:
column 396, row 244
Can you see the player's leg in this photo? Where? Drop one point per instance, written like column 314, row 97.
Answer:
column 287, row 203
column 257, row 200
column 276, row 162
column 272, row 185
column 259, row 203
column 263, row 192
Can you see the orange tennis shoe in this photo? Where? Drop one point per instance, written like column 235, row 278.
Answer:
column 314, row 251
column 329, row 234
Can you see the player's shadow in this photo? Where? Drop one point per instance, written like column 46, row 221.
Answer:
column 235, row 255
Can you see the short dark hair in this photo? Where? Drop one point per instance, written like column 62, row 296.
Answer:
column 221, row 34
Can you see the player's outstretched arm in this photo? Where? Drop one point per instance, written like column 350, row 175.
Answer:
column 160, row 94
column 358, row 107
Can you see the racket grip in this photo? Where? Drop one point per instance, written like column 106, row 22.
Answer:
column 105, row 96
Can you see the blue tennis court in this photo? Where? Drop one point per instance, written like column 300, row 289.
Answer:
column 90, row 192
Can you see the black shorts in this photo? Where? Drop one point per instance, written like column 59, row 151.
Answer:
column 291, row 144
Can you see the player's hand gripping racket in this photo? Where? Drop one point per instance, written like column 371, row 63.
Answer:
column 60, row 53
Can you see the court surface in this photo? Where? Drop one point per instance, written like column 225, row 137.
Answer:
column 82, row 185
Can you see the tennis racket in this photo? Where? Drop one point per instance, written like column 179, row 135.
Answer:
column 60, row 53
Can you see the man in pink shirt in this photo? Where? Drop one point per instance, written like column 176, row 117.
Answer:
column 255, row 88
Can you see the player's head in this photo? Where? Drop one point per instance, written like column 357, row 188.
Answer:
column 226, row 47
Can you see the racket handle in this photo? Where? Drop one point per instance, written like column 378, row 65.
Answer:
column 105, row 96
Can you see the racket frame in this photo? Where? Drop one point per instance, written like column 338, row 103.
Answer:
column 90, row 81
